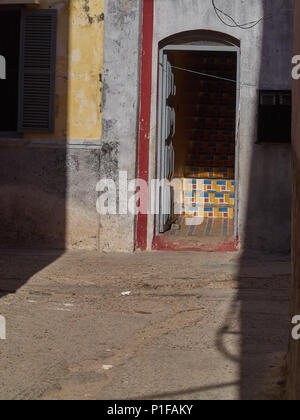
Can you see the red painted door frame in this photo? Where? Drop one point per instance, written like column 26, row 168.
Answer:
column 145, row 112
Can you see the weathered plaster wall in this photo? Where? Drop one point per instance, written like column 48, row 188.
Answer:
column 48, row 193
column 264, row 181
column 48, row 182
column 293, row 385
column 79, row 68
column 86, row 156
column 120, row 109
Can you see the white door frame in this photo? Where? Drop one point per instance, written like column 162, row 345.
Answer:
column 222, row 48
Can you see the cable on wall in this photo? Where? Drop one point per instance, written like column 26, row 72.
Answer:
column 221, row 15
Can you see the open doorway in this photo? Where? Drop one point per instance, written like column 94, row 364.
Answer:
column 197, row 142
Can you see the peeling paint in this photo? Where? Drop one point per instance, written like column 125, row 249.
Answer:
column 78, row 66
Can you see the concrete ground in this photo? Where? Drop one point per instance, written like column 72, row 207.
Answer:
column 194, row 326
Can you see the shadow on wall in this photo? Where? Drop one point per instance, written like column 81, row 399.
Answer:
column 269, row 194
column 293, row 382
column 262, row 302
column 33, row 185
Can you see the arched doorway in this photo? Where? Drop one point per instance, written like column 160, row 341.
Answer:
column 197, row 146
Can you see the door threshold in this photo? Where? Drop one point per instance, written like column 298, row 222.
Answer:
column 164, row 243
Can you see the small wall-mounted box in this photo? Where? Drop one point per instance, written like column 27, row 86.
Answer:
column 274, row 116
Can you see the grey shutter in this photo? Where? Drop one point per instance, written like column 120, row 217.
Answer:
column 37, row 71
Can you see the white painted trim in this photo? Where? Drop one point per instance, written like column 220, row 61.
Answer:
column 238, row 88
column 237, row 139
column 19, row 2
column 6, row 142
column 192, row 47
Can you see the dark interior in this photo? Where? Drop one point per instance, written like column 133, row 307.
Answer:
column 9, row 49
column 205, row 111
column 204, row 142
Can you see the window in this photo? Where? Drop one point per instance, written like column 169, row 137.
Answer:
column 9, row 49
column 28, row 43
column 274, row 116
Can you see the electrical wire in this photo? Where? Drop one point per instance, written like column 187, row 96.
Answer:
column 208, row 75
column 204, row 74
column 220, row 13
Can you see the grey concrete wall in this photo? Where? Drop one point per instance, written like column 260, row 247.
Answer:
column 264, row 181
column 293, row 384
column 48, row 193
column 121, row 108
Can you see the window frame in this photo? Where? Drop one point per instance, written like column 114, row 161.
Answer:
column 19, row 133
column 7, row 8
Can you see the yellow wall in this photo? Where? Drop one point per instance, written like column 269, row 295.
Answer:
column 79, row 68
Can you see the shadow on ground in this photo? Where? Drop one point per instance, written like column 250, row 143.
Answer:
column 33, row 181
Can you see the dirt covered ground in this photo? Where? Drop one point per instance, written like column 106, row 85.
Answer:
column 189, row 325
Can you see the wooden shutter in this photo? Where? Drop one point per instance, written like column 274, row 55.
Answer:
column 37, row 71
